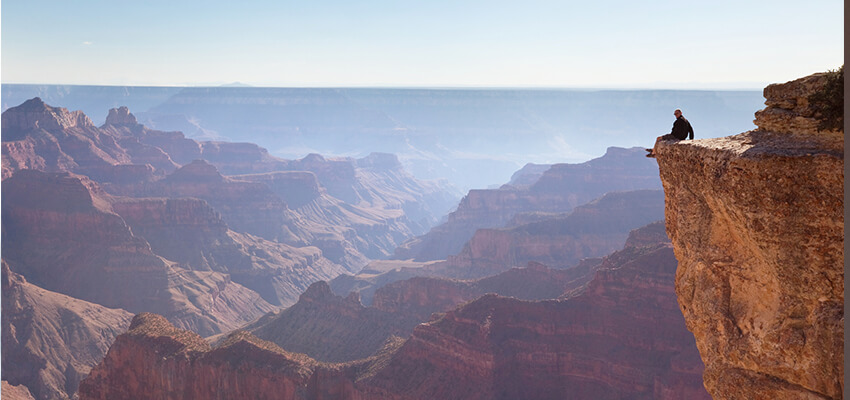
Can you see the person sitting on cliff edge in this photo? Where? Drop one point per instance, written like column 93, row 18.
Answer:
column 681, row 130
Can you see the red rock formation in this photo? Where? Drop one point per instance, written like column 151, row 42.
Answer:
column 420, row 297
column 559, row 189
column 38, row 136
column 331, row 328
column 157, row 361
column 591, row 230
column 757, row 221
column 61, row 233
column 382, row 204
column 621, row 337
column 51, row 341
column 190, row 232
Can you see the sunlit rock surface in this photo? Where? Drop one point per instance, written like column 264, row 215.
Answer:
column 757, row 221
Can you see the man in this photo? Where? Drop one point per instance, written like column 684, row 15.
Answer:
column 681, row 130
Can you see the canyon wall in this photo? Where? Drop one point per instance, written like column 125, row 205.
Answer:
column 559, row 189
column 757, row 221
column 620, row 336
column 51, row 341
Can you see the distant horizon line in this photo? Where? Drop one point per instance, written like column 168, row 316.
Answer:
column 743, row 87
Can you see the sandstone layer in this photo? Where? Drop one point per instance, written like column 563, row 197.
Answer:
column 757, row 221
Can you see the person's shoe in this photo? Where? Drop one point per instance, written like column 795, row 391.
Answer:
column 650, row 155
column 649, row 150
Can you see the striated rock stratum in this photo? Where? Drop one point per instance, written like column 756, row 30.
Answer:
column 757, row 221
column 620, row 336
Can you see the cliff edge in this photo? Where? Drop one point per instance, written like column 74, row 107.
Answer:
column 757, row 224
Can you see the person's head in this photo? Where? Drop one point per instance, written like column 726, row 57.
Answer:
column 677, row 113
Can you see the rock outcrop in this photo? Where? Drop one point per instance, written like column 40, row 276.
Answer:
column 51, row 341
column 757, row 221
column 38, row 136
column 13, row 392
column 558, row 190
column 61, row 233
column 160, row 361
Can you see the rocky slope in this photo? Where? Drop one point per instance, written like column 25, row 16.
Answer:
column 558, row 190
column 757, row 223
column 51, row 341
column 61, row 233
column 15, row 392
column 561, row 241
column 336, row 328
column 181, row 364
column 251, row 206
column 372, row 230
column 190, row 232
column 38, row 136
column 420, row 297
column 622, row 336
column 331, row 328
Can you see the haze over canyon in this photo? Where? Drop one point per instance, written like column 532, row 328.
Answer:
column 406, row 244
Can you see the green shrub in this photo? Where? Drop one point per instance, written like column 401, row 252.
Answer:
column 828, row 102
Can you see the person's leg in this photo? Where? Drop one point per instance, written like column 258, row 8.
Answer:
column 651, row 152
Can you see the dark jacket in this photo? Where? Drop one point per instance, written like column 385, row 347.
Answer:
column 682, row 129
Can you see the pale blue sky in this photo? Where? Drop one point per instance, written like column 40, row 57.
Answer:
column 667, row 44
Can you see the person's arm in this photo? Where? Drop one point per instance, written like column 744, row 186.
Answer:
column 690, row 131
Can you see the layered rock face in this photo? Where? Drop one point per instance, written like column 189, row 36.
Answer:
column 336, row 328
column 371, row 231
column 591, row 230
column 420, row 297
column 38, row 136
column 560, row 189
column 51, row 341
column 622, row 336
column 331, row 328
column 61, row 233
column 757, row 221
column 373, row 206
column 161, row 362
column 191, row 233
